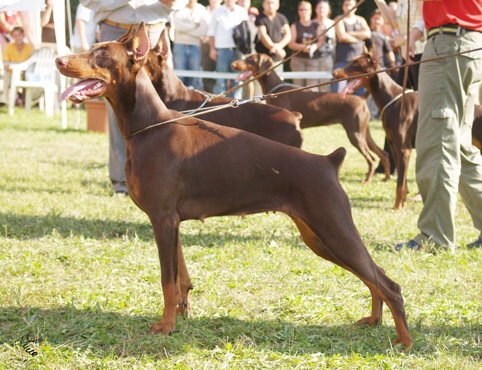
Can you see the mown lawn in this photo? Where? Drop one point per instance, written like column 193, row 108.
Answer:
column 81, row 278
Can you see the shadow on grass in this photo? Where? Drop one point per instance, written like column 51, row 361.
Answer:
column 24, row 227
column 103, row 334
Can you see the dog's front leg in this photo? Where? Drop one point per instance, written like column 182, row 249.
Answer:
column 166, row 233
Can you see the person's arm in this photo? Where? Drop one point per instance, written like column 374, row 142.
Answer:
column 80, row 24
column 342, row 35
column 264, row 37
column 47, row 13
column 364, row 33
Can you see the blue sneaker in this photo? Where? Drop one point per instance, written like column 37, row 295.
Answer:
column 412, row 244
column 476, row 244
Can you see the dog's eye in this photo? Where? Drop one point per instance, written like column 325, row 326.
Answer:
column 102, row 53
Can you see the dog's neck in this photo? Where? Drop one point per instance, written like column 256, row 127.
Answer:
column 137, row 105
column 269, row 81
column 382, row 88
column 170, row 88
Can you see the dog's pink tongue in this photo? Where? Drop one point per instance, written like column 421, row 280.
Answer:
column 80, row 89
column 244, row 76
column 351, row 86
column 345, row 92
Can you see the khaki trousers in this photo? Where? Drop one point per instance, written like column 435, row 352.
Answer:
column 447, row 162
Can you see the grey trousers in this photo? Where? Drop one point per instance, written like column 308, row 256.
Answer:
column 447, row 162
column 117, row 145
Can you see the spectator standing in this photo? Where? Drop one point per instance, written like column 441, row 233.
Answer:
column 384, row 51
column 400, row 37
column 114, row 22
column 447, row 162
column 207, row 63
column 386, row 57
column 350, row 35
column 326, row 60
column 16, row 51
column 303, row 33
column 253, row 88
column 85, row 29
column 221, row 42
column 273, row 32
column 190, row 25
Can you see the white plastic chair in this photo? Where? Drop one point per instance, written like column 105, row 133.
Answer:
column 40, row 73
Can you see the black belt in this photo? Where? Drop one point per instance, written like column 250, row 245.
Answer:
column 448, row 29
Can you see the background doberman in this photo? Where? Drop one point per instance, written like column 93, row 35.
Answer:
column 180, row 168
column 318, row 108
column 400, row 126
column 272, row 122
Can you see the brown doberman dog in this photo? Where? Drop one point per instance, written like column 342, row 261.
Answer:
column 318, row 108
column 266, row 120
column 183, row 168
column 400, row 126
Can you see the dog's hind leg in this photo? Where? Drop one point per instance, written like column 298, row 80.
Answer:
column 383, row 155
column 350, row 253
column 185, row 285
column 166, row 233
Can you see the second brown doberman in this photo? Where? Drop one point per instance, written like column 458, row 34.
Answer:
column 400, row 126
column 183, row 168
column 266, row 120
column 318, row 108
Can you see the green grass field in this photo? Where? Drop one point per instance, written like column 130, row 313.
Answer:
column 81, row 277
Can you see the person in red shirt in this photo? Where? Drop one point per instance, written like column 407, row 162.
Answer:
column 447, row 162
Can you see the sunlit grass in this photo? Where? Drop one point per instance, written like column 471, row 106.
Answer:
column 80, row 272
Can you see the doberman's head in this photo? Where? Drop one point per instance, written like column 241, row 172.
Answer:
column 158, row 57
column 365, row 63
column 105, row 66
column 252, row 65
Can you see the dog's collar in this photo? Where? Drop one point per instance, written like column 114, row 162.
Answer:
column 393, row 101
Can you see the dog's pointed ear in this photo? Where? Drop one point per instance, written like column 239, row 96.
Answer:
column 139, row 43
column 126, row 36
column 370, row 50
column 163, row 47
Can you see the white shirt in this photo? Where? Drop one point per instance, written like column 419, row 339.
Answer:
column 222, row 24
column 190, row 25
column 131, row 11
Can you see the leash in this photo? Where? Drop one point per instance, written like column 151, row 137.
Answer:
column 257, row 99
column 373, row 73
column 235, row 103
column 279, row 86
column 208, row 98
column 393, row 101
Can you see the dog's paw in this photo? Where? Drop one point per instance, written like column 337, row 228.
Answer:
column 369, row 321
column 405, row 344
column 162, row 328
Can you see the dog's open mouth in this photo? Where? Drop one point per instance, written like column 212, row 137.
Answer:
column 84, row 90
column 351, row 86
column 243, row 76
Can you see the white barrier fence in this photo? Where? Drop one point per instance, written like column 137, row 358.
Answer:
column 229, row 75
